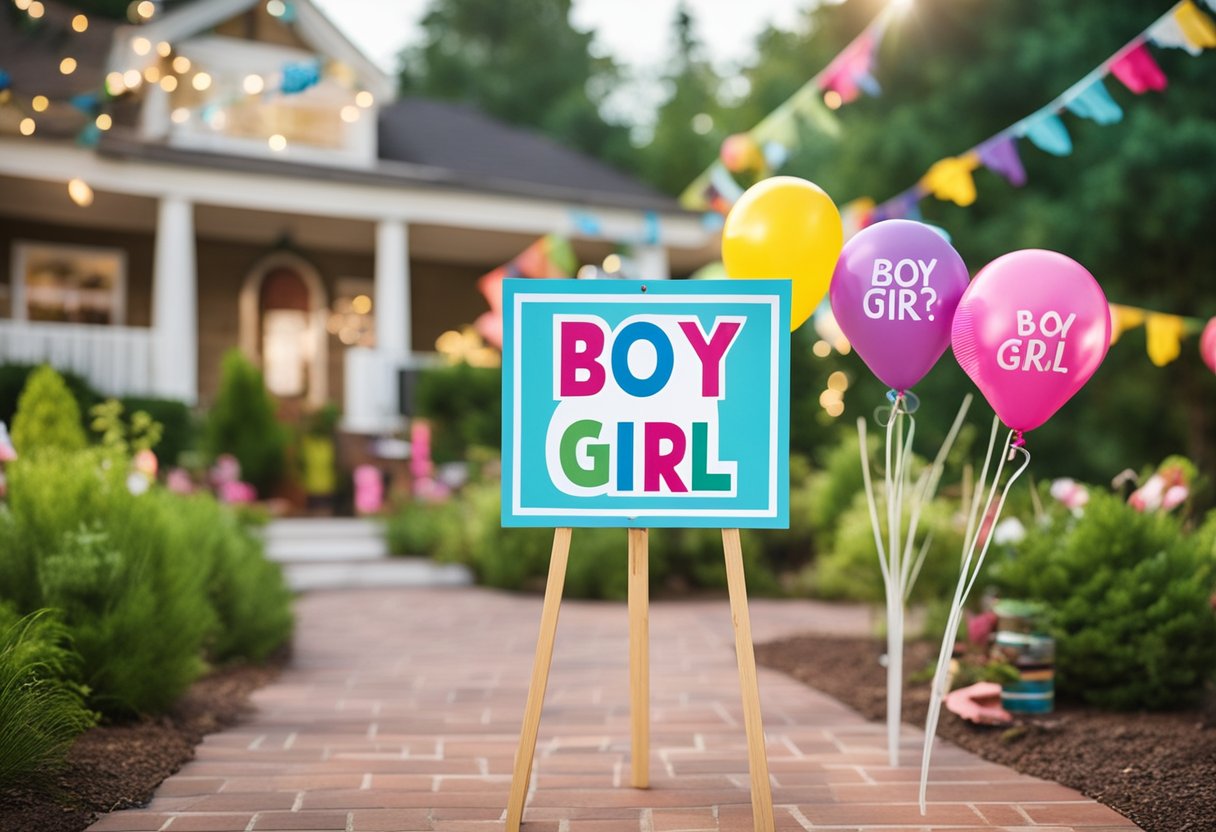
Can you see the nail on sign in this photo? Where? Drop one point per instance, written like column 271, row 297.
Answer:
column 667, row 407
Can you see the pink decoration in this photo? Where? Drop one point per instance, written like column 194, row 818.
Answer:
column 1031, row 329
column 851, row 69
column 1071, row 493
column 421, row 466
column 893, row 294
column 226, row 469
column 178, row 481
column 1139, row 71
column 979, row 703
column 236, row 492
column 981, row 627
column 1207, row 345
column 369, row 489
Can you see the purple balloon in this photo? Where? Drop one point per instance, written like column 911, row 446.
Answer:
column 894, row 292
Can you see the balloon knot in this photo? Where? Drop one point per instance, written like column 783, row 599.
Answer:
column 1019, row 439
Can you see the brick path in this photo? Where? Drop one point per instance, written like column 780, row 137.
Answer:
column 402, row 710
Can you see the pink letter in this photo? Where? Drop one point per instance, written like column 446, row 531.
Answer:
column 591, row 338
column 711, row 353
column 659, row 464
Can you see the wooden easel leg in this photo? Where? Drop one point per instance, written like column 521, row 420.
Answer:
column 757, row 758
column 639, row 654
column 540, row 679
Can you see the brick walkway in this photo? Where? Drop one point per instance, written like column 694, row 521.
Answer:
column 402, row 710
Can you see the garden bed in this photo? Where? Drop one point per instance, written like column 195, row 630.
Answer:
column 115, row 767
column 1157, row 769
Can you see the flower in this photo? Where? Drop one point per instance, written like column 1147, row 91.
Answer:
column 1071, row 493
column 1009, row 530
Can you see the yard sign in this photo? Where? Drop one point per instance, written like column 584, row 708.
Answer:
column 652, row 404
column 645, row 404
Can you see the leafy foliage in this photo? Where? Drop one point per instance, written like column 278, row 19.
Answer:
column 41, row 707
column 47, row 416
column 242, row 422
column 521, row 61
column 13, row 378
column 1130, row 597
column 464, row 406
column 179, row 430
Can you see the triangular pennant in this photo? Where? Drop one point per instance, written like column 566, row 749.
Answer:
column 950, row 179
column 1123, row 318
column 1000, row 155
column 1048, row 134
column 1164, row 334
column 1167, row 33
column 1138, row 71
column 1095, row 103
column 1196, row 26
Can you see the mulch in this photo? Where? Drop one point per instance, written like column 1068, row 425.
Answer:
column 1157, row 769
column 114, row 767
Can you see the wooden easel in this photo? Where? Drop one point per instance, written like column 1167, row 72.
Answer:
column 639, row 673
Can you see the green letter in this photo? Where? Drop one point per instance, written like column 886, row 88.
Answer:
column 702, row 480
column 597, row 475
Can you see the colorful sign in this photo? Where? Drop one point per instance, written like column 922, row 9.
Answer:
column 663, row 403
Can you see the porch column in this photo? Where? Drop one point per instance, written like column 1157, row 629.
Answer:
column 651, row 263
column 175, row 302
column 392, row 302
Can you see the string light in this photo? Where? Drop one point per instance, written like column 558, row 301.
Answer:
column 254, row 84
column 104, row 122
column 145, row 9
column 80, row 192
column 115, row 85
column 67, row 66
column 276, row 8
column 164, row 49
column 141, row 46
column 27, row 126
column 168, row 83
column 181, row 64
column 40, row 103
column 821, row 349
column 201, row 81
column 612, row 263
column 350, row 114
column 833, row 100
column 361, row 304
column 152, row 74
column 180, row 116
column 132, row 79
column 80, row 23
column 277, row 142
column 36, row 9
column 364, row 99
column 22, row 5
column 838, row 381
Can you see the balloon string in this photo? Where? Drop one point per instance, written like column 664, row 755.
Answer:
column 969, row 574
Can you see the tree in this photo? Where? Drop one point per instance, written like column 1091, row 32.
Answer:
column 523, row 62
column 688, row 126
column 1133, row 203
column 47, row 415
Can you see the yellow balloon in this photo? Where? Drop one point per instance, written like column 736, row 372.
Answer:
column 785, row 227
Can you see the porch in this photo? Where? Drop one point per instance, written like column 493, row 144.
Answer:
column 206, row 260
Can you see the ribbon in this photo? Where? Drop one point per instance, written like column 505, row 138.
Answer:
column 1139, row 71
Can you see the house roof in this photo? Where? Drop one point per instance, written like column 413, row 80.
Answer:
column 475, row 146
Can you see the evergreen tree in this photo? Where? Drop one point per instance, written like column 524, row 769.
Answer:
column 47, row 415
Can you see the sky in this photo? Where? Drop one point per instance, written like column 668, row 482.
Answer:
column 636, row 32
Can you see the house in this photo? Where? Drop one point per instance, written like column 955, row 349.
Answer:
column 235, row 173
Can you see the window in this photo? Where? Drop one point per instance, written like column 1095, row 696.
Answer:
column 69, row 284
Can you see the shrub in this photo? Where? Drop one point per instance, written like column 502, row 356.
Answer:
column 180, row 429
column 242, row 422
column 1130, row 599
column 47, row 416
column 416, row 528
column 41, row 708
column 145, row 583
column 832, row 490
column 464, row 406
column 13, row 378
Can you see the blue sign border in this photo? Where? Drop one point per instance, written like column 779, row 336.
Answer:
column 581, row 294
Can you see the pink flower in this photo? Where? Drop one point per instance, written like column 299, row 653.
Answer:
column 237, row 492
column 1148, row 497
column 226, row 469
column 1071, row 493
column 1174, row 496
column 178, row 481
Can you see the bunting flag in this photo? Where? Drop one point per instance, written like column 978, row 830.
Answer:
column 1183, row 26
column 1164, row 332
column 550, row 256
column 845, row 78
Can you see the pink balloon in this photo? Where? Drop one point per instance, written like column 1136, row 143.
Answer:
column 1207, row 345
column 894, row 292
column 1030, row 331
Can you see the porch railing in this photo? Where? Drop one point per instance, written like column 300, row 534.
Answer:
column 116, row 360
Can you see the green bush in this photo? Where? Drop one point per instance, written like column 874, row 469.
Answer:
column 13, row 378
column 242, row 422
column 148, row 586
column 1130, row 600
column 41, row 707
column 47, row 416
column 180, row 428
column 464, row 406
column 833, row 489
